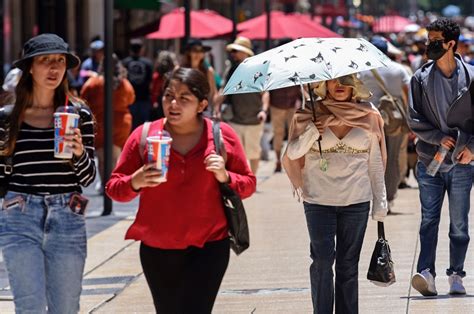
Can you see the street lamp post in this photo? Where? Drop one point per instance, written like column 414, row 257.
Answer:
column 109, row 46
column 267, row 10
column 187, row 21
column 234, row 19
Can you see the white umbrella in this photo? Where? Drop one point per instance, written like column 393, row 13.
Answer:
column 302, row 61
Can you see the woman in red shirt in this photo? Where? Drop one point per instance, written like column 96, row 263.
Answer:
column 181, row 222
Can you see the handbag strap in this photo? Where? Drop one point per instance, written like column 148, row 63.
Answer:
column 381, row 82
column 380, row 230
column 216, row 134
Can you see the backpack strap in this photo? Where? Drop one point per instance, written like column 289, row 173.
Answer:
column 381, row 82
column 145, row 129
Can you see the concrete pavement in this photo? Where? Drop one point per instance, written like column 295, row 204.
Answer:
column 272, row 275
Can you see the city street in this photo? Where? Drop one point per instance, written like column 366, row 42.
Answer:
column 272, row 276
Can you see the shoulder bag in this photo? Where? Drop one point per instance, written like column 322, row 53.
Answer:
column 233, row 207
column 381, row 271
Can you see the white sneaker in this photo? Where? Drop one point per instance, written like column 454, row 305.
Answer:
column 455, row 285
column 424, row 283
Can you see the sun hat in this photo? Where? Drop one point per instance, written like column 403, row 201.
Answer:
column 45, row 44
column 193, row 42
column 241, row 44
column 359, row 91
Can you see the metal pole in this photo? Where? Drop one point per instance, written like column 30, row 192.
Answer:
column 187, row 21
column 109, row 46
column 269, row 38
column 234, row 19
column 2, row 61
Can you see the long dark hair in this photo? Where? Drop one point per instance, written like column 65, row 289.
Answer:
column 187, row 63
column 24, row 100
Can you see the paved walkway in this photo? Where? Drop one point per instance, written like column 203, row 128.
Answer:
column 272, row 276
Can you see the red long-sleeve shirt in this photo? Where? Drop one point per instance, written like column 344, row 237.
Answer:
column 187, row 209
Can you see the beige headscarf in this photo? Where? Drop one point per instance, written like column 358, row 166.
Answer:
column 332, row 113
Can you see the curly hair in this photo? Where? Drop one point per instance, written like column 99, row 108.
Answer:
column 449, row 29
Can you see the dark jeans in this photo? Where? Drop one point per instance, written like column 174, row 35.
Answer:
column 457, row 183
column 347, row 224
column 185, row 281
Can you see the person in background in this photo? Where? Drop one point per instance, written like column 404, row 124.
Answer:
column 42, row 230
column 123, row 96
column 194, row 58
column 165, row 63
column 283, row 103
column 90, row 66
column 181, row 224
column 249, row 110
column 140, row 72
column 439, row 101
column 335, row 160
column 396, row 80
column 74, row 80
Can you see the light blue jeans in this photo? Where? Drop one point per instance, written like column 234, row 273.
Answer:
column 44, row 247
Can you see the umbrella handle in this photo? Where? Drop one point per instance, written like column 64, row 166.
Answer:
column 312, row 102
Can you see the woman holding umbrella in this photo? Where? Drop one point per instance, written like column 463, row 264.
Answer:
column 338, row 146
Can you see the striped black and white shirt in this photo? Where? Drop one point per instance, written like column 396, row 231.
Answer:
column 37, row 171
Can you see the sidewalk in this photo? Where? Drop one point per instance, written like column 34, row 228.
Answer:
column 272, row 275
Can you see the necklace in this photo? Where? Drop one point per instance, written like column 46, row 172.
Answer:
column 323, row 162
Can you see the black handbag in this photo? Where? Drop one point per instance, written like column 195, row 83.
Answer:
column 233, row 207
column 381, row 271
column 5, row 113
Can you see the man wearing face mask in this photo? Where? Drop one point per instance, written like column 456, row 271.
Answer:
column 440, row 105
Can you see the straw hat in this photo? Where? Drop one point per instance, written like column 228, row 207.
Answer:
column 359, row 91
column 241, row 44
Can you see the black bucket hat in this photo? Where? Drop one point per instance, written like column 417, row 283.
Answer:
column 193, row 42
column 45, row 44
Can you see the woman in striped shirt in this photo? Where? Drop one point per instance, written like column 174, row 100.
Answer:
column 42, row 225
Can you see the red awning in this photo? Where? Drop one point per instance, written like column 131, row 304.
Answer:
column 391, row 24
column 204, row 24
column 283, row 25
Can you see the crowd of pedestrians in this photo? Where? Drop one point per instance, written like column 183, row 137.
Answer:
column 341, row 143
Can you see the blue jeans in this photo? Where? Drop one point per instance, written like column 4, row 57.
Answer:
column 44, row 247
column 458, row 183
column 347, row 224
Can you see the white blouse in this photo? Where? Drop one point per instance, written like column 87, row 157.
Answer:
column 355, row 170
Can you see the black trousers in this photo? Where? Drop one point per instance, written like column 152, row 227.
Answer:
column 185, row 281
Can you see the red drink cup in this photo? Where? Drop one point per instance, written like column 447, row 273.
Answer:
column 64, row 124
column 159, row 154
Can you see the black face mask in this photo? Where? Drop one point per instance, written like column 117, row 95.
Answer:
column 435, row 49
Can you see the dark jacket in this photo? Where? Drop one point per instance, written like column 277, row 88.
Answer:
column 424, row 119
